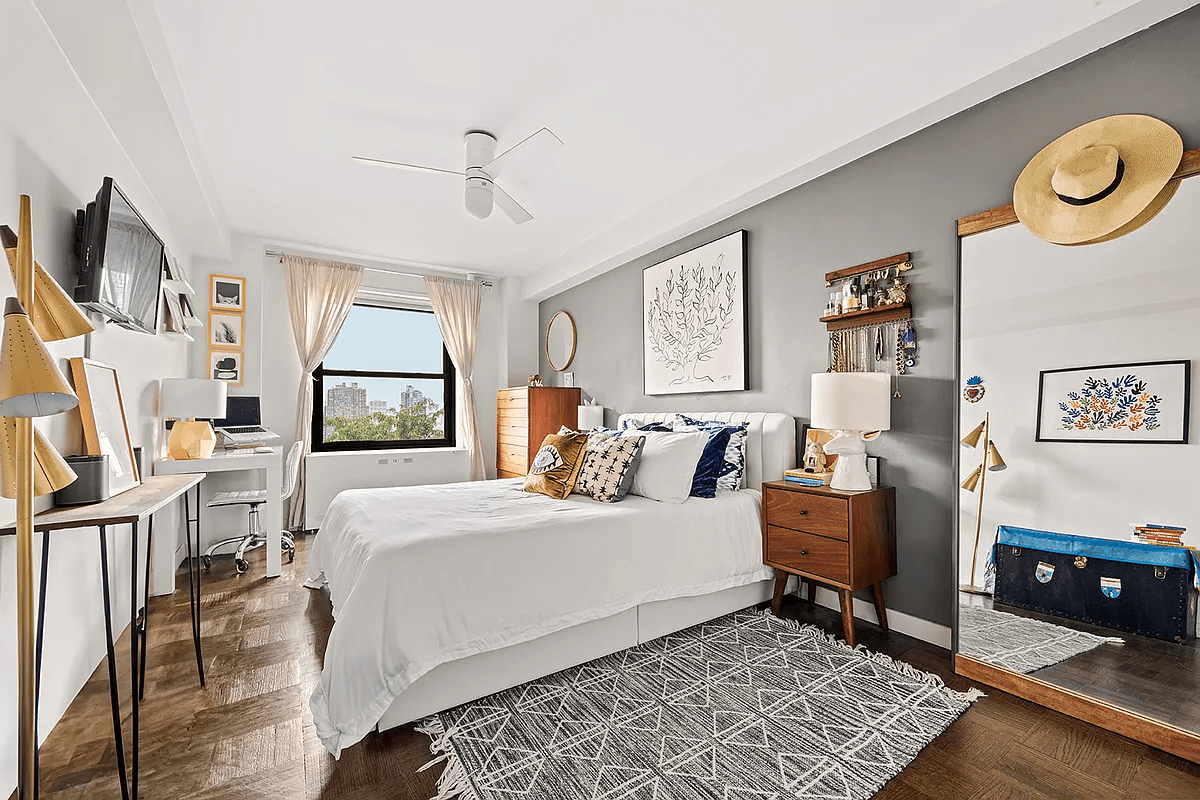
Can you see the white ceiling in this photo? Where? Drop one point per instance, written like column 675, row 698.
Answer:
column 670, row 111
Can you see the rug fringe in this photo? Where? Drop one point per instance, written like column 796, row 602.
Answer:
column 454, row 781
column 904, row 668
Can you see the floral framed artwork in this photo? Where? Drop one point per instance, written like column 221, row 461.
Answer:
column 694, row 320
column 1140, row 403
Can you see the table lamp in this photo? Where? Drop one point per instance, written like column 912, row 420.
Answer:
column 184, row 399
column 852, row 404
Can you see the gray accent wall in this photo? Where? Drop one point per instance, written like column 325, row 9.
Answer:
column 905, row 197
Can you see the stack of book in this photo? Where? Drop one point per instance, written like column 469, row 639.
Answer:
column 807, row 478
column 1168, row 535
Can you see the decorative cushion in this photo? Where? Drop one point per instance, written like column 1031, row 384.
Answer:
column 556, row 465
column 732, row 472
column 668, row 463
column 609, row 466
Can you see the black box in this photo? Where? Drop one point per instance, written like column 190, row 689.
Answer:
column 1146, row 589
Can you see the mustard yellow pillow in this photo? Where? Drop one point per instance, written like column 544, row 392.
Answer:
column 557, row 464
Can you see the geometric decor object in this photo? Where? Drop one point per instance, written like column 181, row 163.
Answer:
column 744, row 706
column 191, row 439
column 185, row 399
column 694, row 320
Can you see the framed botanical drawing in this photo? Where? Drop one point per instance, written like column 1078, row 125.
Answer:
column 694, row 320
column 226, row 293
column 225, row 329
column 1141, row 403
column 105, row 428
column 225, row 365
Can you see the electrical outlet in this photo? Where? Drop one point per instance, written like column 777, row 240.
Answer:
column 408, row 460
column 568, row 378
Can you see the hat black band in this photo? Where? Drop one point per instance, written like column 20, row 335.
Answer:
column 1096, row 198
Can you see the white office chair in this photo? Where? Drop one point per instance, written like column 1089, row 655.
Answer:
column 254, row 499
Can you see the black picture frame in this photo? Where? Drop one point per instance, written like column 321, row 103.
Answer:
column 1185, row 366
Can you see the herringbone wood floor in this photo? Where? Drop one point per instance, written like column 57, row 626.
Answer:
column 249, row 733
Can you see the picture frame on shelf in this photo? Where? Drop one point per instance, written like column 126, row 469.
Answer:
column 694, row 320
column 809, row 434
column 105, row 425
column 226, row 365
column 1145, row 402
column 226, row 330
column 226, row 293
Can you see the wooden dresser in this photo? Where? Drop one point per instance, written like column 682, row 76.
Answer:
column 846, row 540
column 524, row 416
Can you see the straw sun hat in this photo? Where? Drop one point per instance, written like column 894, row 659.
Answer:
column 1099, row 181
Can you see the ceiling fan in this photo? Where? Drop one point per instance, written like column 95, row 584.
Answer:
column 483, row 166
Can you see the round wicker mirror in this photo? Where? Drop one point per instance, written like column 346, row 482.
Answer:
column 560, row 341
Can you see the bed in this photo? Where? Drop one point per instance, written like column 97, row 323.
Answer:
column 444, row 594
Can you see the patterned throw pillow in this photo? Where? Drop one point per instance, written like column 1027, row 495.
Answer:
column 712, row 465
column 732, row 473
column 556, row 465
column 609, row 466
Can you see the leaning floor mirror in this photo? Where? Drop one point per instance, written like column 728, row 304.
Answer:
column 1078, row 470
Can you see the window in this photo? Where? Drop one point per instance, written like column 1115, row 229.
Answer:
column 386, row 382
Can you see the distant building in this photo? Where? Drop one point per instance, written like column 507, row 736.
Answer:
column 377, row 406
column 349, row 401
column 410, row 396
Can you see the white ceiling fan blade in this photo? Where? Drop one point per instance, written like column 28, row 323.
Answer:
column 538, row 144
column 379, row 162
column 510, row 206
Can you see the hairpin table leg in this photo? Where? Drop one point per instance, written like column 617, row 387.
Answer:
column 112, row 665
column 145, row 613
column 194, row 574
column 134, row 640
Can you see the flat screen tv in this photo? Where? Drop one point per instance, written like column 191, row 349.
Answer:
column 120, row 261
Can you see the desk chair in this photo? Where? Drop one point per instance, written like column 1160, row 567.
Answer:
column 254, row 499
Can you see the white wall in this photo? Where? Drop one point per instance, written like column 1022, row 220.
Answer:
column 56, row 147
column 1031, row 306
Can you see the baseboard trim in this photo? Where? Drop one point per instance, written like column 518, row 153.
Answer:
column 898, row 621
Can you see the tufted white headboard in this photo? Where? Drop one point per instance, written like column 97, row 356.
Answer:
column 770, row 444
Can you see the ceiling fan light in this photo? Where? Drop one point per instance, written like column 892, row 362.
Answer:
column 478, row 199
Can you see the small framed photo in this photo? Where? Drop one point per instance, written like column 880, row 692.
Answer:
column 1140, row 403
column 225, row 329
column 226, row 293
column 225, row 365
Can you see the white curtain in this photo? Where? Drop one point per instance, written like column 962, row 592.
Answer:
column 319, row 296
column 456, row 306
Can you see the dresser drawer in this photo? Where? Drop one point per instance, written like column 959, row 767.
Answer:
column 503, row 473
column 512, row 435
column 505, row 400
column 827, row 516
column 512, row 457
column 806, row 552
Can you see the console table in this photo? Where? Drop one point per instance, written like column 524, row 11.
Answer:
column 130, row 507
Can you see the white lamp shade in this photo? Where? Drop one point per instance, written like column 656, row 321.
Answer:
column 851, row 401
column 188, row 398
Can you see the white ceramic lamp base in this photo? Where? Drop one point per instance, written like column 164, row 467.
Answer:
column 850, row 471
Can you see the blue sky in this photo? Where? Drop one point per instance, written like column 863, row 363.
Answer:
column 385, row 339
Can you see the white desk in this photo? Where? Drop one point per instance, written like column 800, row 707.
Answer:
column 232, row 461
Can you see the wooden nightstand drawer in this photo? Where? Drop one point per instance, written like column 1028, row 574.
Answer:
column 826, row 516
column 829, row 558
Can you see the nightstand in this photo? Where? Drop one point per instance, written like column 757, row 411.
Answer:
column 845, row 540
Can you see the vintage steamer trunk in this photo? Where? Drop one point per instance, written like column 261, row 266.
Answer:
column 1141, row 588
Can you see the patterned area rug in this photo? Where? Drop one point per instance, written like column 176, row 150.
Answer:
column 1019, row 643
column 746, row 707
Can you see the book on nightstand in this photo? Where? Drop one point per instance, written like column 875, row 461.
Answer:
column 807, row 478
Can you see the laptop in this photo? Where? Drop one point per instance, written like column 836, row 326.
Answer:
column 242, row 425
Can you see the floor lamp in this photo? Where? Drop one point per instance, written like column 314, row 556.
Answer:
column 31, row 385
column 976, row 481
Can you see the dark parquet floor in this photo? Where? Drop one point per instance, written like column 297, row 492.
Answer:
column 249, row 734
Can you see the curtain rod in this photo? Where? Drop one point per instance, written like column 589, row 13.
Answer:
column 471, row 276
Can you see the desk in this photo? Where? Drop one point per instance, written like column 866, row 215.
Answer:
column 128, row 508
column 233, row 461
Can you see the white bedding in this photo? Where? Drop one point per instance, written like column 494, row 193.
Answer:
column 423, row 575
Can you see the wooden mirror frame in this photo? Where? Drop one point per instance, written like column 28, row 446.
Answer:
column 574, row 341
column 1155, row 733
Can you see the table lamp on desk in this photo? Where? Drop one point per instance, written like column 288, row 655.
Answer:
column 185, row 399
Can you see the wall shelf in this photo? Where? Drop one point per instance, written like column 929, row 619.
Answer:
column 870, row 316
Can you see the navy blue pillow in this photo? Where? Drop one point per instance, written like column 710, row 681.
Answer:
column 712, row 462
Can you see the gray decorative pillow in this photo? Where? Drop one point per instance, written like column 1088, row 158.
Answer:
column 609, row 465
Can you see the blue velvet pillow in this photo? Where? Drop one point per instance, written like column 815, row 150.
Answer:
column 735, row 451
column 712, row 462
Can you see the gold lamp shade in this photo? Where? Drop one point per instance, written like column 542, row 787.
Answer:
column 994, row 461
column 972, row 438
column 30, row 384
column 50, row 471
column 973, row 479
column 55, row 315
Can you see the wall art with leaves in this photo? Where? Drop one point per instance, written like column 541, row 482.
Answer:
column 1144, row 403
column 694, row 320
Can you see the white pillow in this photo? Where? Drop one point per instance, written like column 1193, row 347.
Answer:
column 668, row 464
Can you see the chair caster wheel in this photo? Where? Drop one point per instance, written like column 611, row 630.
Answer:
column 207, row 561
column 291, row 556
column 242, row 565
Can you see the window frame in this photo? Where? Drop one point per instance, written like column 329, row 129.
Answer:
column 448, row 376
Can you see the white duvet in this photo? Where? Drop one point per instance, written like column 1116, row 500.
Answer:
column 420, row 576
